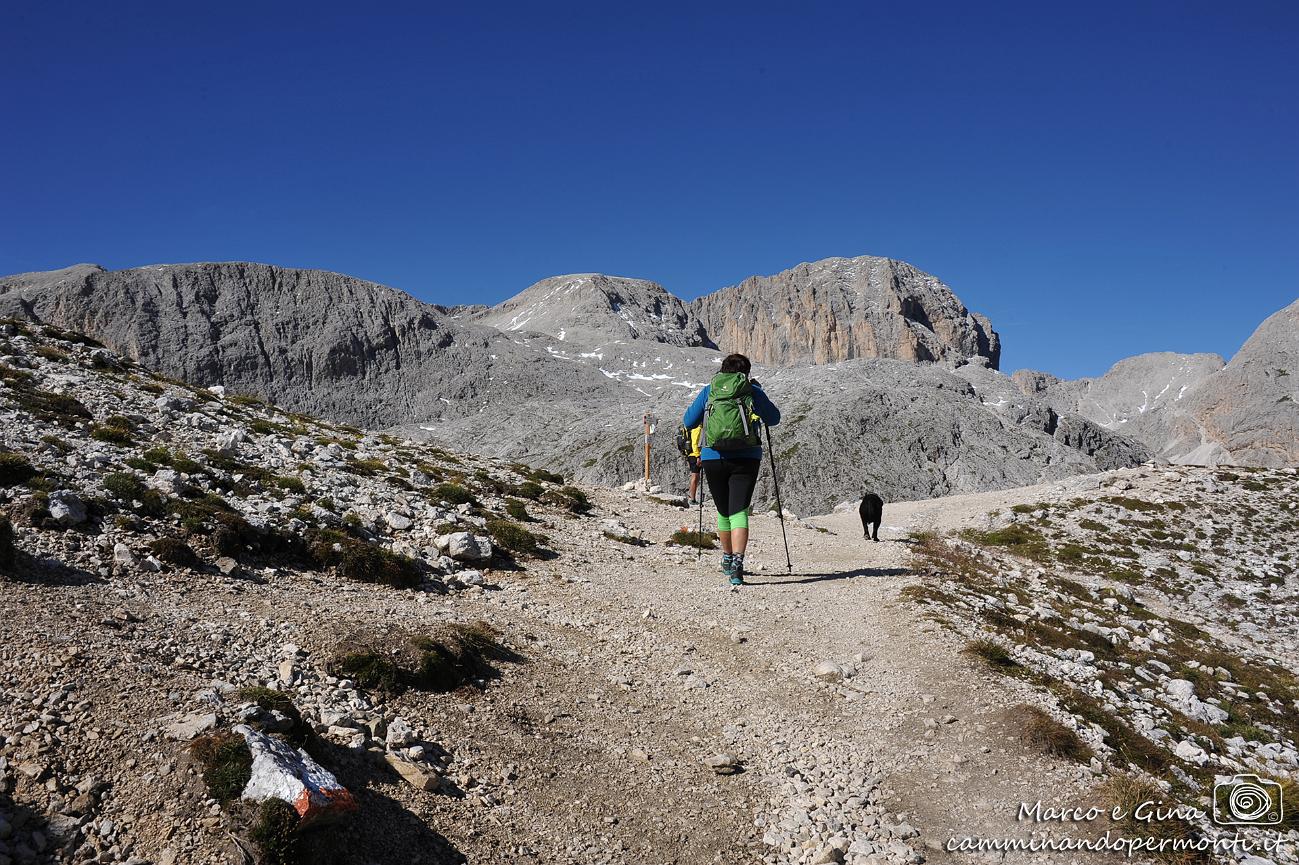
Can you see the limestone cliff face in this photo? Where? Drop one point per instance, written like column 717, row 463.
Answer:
column 310, row 340
column 846, row 308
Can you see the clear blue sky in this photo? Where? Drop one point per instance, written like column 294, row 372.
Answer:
column 1101, row 180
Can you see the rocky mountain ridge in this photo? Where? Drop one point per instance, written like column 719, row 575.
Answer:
column 581, row 358
column 1194, row 408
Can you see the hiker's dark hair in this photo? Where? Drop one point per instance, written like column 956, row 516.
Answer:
column 736, row 363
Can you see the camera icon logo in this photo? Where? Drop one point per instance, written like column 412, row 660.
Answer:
column 1247, row 800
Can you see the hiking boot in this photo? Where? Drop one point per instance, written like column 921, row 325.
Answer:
column 728, row 566
column 737, row 570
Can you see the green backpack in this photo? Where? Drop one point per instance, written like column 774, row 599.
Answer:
column 729, row 421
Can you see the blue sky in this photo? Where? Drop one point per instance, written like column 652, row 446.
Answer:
column 1100, row 179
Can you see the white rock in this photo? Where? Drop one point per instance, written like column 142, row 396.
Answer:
column 468, row 547
column 66, row 508
column 228, row 440
column 397, row 521
column 186, row 727
column 122, row 554
column 400, row 733
column 828, row 671
column 470, row 578
column 280, row 772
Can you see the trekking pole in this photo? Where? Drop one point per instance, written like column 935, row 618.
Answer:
column 780, row 509
column 699, row 549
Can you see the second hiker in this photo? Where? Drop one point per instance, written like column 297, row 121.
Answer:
column 729, row 413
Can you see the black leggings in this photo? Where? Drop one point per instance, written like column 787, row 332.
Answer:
column 731, row 483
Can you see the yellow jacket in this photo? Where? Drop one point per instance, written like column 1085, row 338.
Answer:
column 694, row 440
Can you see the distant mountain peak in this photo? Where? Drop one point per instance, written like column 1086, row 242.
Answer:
column 596, row 309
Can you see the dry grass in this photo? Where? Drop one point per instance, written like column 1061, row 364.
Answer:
column 992, row 653
column 1125, row 793
column 1040, row 730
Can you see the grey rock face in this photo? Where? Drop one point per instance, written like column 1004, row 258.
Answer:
column 593, row 309
column 906, row 431
column 843, row 309
column 1191, row 408
column 1250, row 408
column 1134, row 390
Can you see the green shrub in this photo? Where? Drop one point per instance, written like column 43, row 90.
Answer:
column 226, row 762
column 547, row 476
column 276, row 832
column 366, row 467
column 530, row 490
column 461, row 655
column 1020, row 540
column 514, row 537
column 518, row 510
column 291, row 483
column 185, row 465
column 369, row 669
column 15, row 469
column 124, row 486
column 452, row 493
column 8, row 553
column 112, row 435
column 174, row 551
column 53, row 407
column 158, row 456
column 571, row 498
column 49, row 352
column 691, row 538
column 367, row 563
column 57, row 443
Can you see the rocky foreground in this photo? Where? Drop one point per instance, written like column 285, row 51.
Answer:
column 230, row 633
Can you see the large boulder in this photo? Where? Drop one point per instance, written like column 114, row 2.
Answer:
column 465, row 546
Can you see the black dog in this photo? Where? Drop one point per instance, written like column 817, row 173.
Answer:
column 871, row 510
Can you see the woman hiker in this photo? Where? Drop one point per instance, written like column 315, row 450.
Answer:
column 730, row 411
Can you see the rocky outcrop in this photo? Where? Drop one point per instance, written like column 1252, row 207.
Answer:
column 593, row 309
column 1248, row 412
column 844, row 309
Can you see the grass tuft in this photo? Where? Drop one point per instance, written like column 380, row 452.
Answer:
column 992, row 653
column 1039, row 729
column 15, row 469
column 276, row 833
column 227, row 764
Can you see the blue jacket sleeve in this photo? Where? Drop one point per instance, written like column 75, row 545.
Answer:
column 694, row 415
column 765, row 408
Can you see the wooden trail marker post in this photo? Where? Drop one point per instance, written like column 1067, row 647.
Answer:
column 647, row 422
